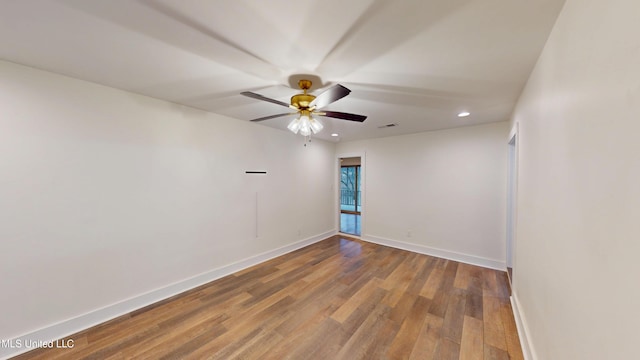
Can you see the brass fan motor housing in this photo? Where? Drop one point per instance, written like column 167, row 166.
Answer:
column 302, row 101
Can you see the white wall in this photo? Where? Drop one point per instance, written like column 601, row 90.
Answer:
column 445, row 187
column 105, row 195
column 578, row 231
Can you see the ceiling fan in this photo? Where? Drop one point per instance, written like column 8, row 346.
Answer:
column 306, row 105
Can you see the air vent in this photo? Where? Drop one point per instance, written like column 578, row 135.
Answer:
column 387, row 126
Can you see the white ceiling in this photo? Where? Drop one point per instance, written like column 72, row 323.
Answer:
column 416, row 63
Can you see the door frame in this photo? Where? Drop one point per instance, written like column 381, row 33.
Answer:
column 363, row 188
column 513, row 145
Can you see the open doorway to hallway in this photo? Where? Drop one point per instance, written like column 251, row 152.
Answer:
column 350, row 195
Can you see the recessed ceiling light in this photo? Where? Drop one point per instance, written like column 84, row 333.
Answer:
column 464, row 114
column 334, row 134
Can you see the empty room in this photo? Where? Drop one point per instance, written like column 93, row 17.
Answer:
column 367, row 179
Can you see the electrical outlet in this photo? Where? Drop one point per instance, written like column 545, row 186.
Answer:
column 408, row 233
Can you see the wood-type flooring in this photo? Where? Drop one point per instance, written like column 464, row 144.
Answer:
column 340, row 298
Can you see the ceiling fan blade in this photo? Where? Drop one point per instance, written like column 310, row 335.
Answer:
column 230, row 52
column 343, row 116
column 264, row 98
column 272, row 117
column 334, row 93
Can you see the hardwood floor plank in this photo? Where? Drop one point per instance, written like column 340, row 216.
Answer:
column 186, row 349
column 322, row 343
column 475, row 282
column 172, row 339
column 454, row 317
column 400, row 277
column 383, row 337
column 404, row 307
column 355, row 301
column 504, row 288
column 492, row 353
column 427, row 341
column 233, row 348
column 493, row 326
column 388, row 259
column 402, row 345
column 432, row 284
column 472, row 345
column 256, row 349
column 329, row 267
column 322, row 299
column 421, row 276
column 400, row 281
column 355, row 286
column 360, row 314
column 360, row 341
column 441, row 298
column 490, row 283
column 511, row 333
column 474, row 305
column 463, row 276
column 255, row 273
column 338, row 298
column 313, row 326
column 447, row 350
column 245, row 327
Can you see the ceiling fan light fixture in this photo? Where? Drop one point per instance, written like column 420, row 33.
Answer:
column 294, row 125
column 464, row 114
column 305, row 125
column 316, row 125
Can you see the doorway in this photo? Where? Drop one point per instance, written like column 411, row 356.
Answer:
column 351, row 195
column 512, row 173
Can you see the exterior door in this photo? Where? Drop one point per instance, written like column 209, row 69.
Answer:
column 350, row 197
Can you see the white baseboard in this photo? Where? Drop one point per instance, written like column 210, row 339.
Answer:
column 523, row 335
column 349, row 235
column 446, row 254
column 18, row 345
